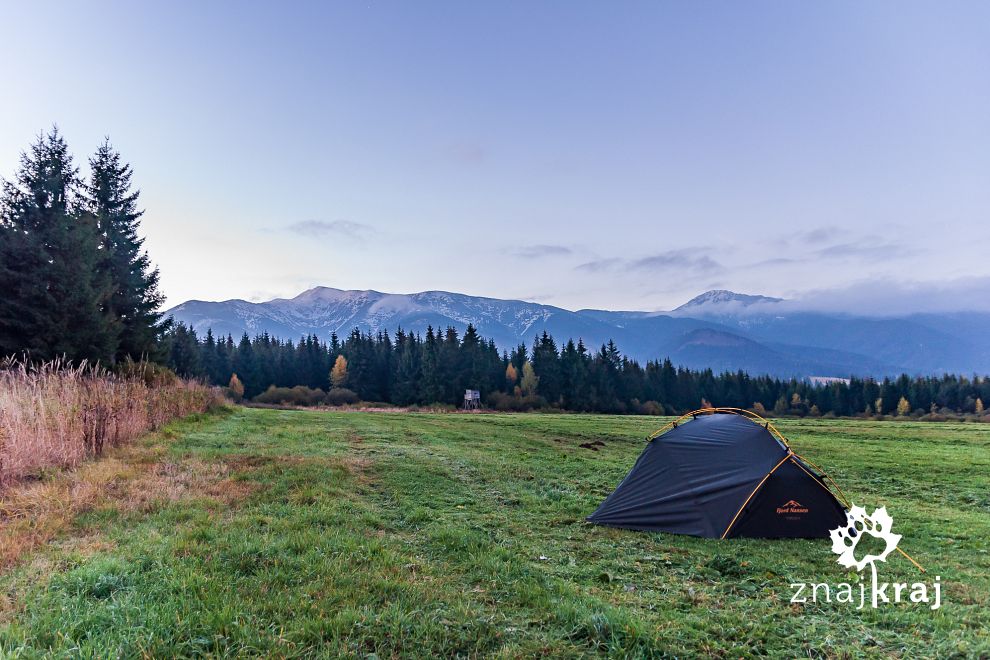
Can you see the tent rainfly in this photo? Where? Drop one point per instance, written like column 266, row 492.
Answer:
column 721, row 473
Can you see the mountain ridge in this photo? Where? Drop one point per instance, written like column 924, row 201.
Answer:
column 731, row 331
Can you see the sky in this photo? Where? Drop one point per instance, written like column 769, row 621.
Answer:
column 621, row 155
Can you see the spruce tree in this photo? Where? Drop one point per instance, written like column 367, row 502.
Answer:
column 135, row 298
column 56, row 300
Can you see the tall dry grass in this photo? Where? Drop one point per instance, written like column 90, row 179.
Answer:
column 56, row 415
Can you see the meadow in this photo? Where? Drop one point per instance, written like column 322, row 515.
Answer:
column 299, row 533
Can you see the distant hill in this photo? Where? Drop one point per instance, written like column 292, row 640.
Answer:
column 719, row 329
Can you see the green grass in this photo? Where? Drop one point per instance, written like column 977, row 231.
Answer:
column 442, row 535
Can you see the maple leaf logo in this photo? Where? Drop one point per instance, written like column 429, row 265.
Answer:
column 846, row 538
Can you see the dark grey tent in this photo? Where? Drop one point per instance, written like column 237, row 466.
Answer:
column 721, row 473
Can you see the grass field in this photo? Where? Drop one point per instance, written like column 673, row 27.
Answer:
column 311, row 533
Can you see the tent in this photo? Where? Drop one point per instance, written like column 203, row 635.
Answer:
column 721, row 473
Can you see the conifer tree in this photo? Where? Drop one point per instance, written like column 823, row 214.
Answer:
column 56, row 299
column 135, row 298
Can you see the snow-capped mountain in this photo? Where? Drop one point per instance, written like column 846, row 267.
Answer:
column 722, row 301
column 720, row 329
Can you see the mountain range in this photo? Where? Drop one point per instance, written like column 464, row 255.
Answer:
column 719, row 329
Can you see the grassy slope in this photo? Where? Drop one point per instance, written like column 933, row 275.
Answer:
column 294, row 533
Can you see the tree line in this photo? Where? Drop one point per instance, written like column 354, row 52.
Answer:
column 75, row 281
column 410, row 369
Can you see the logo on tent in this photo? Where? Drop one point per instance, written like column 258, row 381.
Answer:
column 791, row 507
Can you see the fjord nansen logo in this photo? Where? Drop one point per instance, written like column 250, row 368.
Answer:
column 791, row 507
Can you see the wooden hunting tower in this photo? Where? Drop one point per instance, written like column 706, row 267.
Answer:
column 472, row 399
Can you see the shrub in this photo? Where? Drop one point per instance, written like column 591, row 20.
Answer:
column 300, row 395
column 517, row 402
column 340, row 396
column 651, row 408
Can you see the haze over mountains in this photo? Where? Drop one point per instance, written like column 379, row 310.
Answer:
column 719, row 329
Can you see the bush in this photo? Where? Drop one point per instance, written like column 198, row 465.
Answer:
column 300, row 395
column 651, row 408
column 340, row 396
column 515, row 402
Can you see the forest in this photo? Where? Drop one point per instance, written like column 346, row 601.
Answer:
column 408, row 369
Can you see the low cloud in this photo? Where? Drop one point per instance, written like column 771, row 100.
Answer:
column 336, row 228
column 888, row 297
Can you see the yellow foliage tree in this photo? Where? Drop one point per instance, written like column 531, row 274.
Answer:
column 236, row 387
column 529, row 379
column 511, row 375
column 903, row 407
column 979, row 406
column 338, row 375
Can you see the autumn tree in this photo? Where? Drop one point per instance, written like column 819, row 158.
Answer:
column 236, row 387
column 529, row 379
column 903, row 407
column 511, row 376
column 338, row 375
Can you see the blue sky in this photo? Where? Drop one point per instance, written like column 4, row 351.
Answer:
column 612, row 155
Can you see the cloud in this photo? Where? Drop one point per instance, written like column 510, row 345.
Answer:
column 864, row 249
column 890, row 297
column 599, row 265
column 537, row 251
column 685, row 262
column 773, row 261
column 337, row 228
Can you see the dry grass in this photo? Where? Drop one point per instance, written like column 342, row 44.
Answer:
column 33, row 513
column 137, row 478
column 56, row 415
